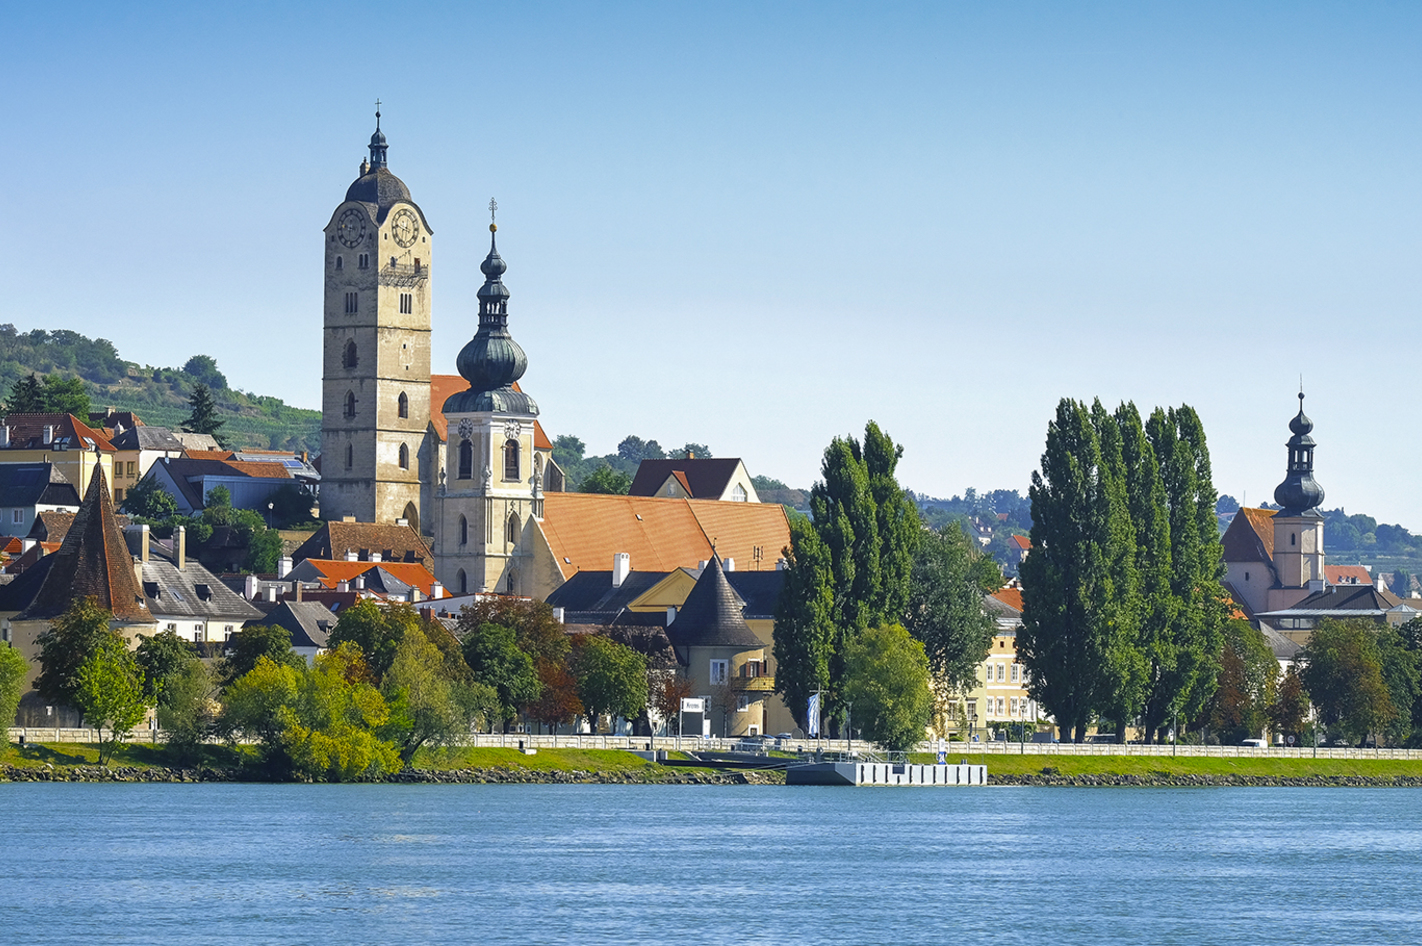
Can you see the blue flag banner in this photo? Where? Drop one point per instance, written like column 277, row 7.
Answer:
column 812, row 716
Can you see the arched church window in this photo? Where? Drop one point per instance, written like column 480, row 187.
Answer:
column 466, row 460
column 350, row 403
column 404, row 456
column 463, row 531
column 352, row 357
column 461, row 581
column 350, row 456
column 340, row 263
column 404, row 405
column 512, row 530
column 1292, row 538
column 511, row 459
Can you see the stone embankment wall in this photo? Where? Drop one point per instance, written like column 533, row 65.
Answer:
column 489, row 776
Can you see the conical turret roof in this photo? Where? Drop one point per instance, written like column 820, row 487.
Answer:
column 712, row 615
column 93, row 561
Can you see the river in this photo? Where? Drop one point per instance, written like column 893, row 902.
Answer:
column 485, row 864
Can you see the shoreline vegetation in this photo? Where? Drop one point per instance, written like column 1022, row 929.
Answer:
column 71, row 762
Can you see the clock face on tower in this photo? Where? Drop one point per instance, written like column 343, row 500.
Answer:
column 350, row 229
column 405, row 227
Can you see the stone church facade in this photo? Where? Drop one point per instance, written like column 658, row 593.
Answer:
column 375, row 404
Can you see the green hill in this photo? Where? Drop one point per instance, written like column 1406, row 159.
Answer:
column 158, row 395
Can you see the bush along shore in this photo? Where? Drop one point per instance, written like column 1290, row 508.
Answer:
column 1054, row 779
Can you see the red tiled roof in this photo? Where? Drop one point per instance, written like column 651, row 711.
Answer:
column 1347, row 575
column 1250, row 536
column 443, row 386
column 1010, row 596
column 411, row 573
column 29, row 428
column 586, row 530
column 1021, row 541
column 208, row 454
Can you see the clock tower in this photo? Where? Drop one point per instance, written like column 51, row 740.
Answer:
column 375, row 399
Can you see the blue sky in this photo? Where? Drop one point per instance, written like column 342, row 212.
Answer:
column 757, row 226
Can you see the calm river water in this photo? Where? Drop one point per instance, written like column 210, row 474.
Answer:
column 256, row 864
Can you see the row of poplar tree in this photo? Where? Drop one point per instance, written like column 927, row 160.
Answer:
column 865, row 569
column 1123, row 610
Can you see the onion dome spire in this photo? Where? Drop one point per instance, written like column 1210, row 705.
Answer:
column 1299, row 494
column 492, row 361
column 377, row 142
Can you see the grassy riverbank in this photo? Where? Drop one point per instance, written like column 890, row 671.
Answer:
column 615, row 764
column 1146, row 766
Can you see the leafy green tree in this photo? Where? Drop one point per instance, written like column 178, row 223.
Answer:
column 26, row 397
column 66, row 396
column 291, row 505
column 945, row 606
column 1068, row 629
column 698, row 451
column 13, row 669
column 604, row 479
column 187, row 709
column 218, row 498
column 1196, row 559
column 161, row 658
column 148, row 500
column 1126, row 667
column 635, row 449
column 568, row 450
column 804, row 624
column 1343, row 673
column 423, row 706
column 612, row 678
column 1150, row 522
column 887, row 687
column 1247, row 685
column 1289, row 712
column 494, row 657
column 557, row 703
column 1402, row 673
column 264, row 549
column 203, row 369
column 897, row 524
column 249, row 645
column 376, row 631
column 109, row 692
column 202, row 417
column 762, row 483
column 68, row 642
column 252, row 703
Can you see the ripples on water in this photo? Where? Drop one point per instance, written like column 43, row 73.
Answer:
column 255, row 864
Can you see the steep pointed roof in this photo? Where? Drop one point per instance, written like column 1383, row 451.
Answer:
column 93, row 561
column 712, row 615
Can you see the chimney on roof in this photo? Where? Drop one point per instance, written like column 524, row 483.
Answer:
column 305, row 457
column 284, row 566
column 360, row 583
column 249, row 587
column 47, row 435
column 374, row 556
column 402, row 522
column 558, row 615
column 271, row 594
column 780, row 564
column 296, row 588
column 436, row 591
column 728, row 564
column 621, row 568
column 352, row 556
column 180, row 541
column 414, row 595
column 142, row 543
column 343, row 586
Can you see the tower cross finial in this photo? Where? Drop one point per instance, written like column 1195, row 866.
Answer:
column 377, row 114
column 493, row 209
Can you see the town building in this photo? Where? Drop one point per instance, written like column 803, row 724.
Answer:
column 64, row 440
column 719, row 478
column 182, row 595
column 28, row 491
column 137, row 448
column 375, row 406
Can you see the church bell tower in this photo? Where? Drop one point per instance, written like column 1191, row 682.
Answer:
column 1298, row 525
column 375, row 404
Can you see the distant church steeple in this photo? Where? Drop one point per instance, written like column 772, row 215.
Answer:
column 492, row 361
column 1299, row 494
column 377, row 143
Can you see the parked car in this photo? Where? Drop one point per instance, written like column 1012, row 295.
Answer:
column 1255, row 743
